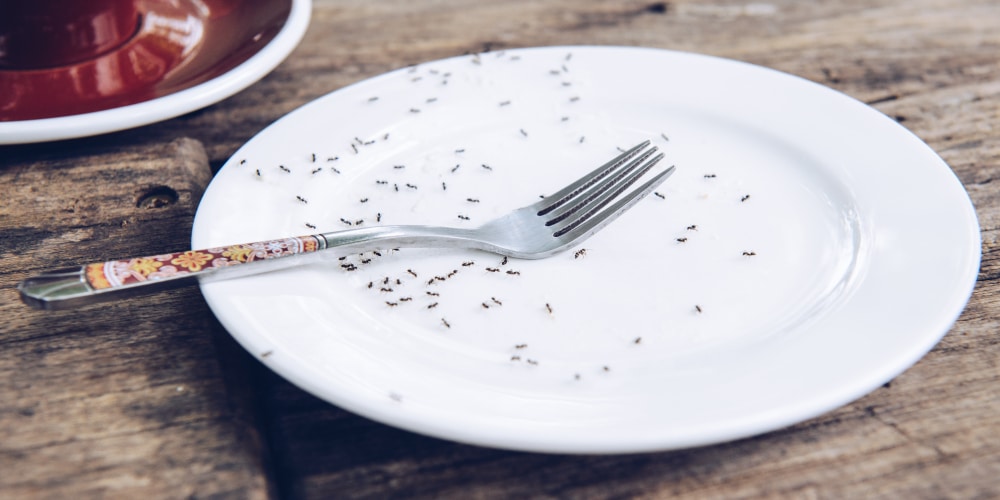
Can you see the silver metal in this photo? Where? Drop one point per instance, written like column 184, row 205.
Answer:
column 536, row 231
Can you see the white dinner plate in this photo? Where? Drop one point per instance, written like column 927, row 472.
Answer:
column 807, row 250
column 189, row 92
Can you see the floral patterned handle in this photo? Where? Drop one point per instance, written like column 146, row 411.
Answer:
column 93, row 282
column 120, row 273
column 81, row 285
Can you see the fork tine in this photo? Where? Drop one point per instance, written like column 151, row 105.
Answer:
column 581, row 184
column 590, row 226
column 594, row 218
column 598, row 191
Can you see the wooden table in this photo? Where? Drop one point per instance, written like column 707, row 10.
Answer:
column 151, row 398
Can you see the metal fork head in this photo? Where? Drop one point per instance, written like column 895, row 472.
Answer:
column 578, row 203
column 579, row 210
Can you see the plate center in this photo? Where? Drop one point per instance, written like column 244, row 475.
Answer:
column 746, row 241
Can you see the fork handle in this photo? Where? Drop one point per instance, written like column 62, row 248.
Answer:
column 77, row 286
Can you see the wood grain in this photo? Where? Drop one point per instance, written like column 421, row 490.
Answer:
column 149, row 397
column 121, row 399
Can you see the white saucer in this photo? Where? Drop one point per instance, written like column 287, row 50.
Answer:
column 807, row 250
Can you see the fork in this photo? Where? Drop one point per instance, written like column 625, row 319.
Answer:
column 539, row 230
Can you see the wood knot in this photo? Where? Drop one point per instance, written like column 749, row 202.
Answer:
column 658, row 8
column 157, row 197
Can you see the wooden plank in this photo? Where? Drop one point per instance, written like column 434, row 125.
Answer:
column 931, row 64
column 125, row 399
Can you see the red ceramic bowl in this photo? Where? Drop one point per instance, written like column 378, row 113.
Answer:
column 63, row 58
column 39, row 34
